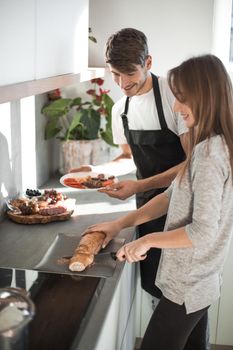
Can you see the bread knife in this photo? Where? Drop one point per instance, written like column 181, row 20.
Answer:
column 112, row 255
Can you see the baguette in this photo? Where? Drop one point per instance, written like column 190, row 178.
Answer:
column 88, row 247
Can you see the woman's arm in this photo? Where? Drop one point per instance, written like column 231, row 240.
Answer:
column 154, row 209
column 136, row 250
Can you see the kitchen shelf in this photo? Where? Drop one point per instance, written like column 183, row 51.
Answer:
column 34, row 87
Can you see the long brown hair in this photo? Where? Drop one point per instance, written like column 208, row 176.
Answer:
column 203, row 84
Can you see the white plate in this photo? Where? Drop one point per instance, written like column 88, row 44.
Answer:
column 84, row 174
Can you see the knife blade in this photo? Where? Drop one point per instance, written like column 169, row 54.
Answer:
column 112, row 255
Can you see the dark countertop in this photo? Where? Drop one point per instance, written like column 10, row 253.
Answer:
column 23, row 246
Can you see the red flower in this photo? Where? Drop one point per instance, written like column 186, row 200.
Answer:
column 54, row 94
column 97, row 81
column 104, row 91
column 98, row 98
column 102, row 111
column 91, row 92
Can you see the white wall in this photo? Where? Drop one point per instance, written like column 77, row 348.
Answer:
column 175, row 29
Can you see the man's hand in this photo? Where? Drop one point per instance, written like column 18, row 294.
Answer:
column 83, row 168
column 122, row 189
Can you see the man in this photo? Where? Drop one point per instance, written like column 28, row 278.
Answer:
column 145, row 126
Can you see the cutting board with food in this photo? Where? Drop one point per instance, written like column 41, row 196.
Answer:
column 82, row 256
column 40, row 208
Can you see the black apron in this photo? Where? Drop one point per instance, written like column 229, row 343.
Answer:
column 154, row 151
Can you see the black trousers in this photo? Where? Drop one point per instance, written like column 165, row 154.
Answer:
column 170, row 328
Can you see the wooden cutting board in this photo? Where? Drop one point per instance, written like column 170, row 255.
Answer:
column 37, row 218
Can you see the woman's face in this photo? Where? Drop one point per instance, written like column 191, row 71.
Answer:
column 185, row 112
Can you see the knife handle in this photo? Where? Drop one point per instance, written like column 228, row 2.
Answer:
column 113, row 255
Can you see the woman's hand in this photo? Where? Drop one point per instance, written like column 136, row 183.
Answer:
column 110, row 228
column 121, row 190
column 133, row 251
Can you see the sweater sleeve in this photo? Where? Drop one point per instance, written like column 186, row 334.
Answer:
column 208, row 175
column 168, row 191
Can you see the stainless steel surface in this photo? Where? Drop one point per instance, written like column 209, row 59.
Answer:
column 64, row 245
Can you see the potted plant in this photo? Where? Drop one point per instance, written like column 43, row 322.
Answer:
column 79, row 125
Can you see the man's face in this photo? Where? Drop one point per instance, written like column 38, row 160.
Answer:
column 131, row 83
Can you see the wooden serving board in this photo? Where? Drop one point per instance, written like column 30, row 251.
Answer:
column 37, row 218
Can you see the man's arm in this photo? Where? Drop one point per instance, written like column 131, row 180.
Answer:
column 125, row 189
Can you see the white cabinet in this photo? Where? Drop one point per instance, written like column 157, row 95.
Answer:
column 40, row 39
column 61, row 37
column 120, row 325
column 17, row 41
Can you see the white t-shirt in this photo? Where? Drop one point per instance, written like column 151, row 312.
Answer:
column 142, row 113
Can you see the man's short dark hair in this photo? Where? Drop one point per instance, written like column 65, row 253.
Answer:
column 126, row 48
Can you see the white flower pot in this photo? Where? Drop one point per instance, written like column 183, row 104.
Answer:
column 74, row 154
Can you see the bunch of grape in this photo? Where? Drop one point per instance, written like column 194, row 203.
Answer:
column 53, row 196
column 32, row 193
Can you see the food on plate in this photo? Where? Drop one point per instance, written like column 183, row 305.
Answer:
column 89, row 181
column 88, row 247
column 51, row 202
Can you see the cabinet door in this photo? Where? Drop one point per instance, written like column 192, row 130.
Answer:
column 17, row 44
column 61, row 37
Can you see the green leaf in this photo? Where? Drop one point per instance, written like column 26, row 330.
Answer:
column 92, row 38
column 57, row 108
column 106, row 135
column 77, row 101
column 51, row 130
column 96, row 102
column 91, row 121
column 74, row 123
column 108, row 103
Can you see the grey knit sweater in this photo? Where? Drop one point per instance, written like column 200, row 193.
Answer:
column 203, row 204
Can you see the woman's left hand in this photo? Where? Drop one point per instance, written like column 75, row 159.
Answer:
column 133, row 251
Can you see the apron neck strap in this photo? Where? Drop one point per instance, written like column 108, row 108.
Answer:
column 124, row 114
column 158, row 101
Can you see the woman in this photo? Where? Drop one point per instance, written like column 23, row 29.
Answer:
column 199, row 207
